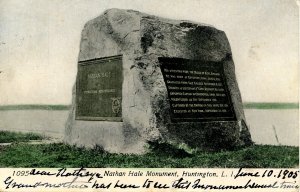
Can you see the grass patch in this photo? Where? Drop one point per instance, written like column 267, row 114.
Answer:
column 61, row 155
column 34, row 107
column 8, row 137
column 271, row 105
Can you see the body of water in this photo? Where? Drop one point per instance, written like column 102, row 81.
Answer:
column 285, row 122
column 261, row 122
column 46, row 122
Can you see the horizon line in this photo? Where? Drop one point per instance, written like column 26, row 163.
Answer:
column 246, row 105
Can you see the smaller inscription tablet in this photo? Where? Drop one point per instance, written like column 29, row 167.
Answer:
column 197, row 90
column 99, row 89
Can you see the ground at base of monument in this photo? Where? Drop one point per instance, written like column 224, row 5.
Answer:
column 62, row 155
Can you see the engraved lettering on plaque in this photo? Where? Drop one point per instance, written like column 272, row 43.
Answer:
column 197, row 90
column 99, row 89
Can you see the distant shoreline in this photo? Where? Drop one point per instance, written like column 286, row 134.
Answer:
column 246, row 105
column 256, row 105
column 34, row 107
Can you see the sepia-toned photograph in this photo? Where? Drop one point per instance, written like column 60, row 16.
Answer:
column 149, row 84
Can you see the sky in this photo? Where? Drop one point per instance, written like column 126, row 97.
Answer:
column 39, row 44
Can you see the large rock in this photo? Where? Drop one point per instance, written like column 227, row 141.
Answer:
column 142, row 39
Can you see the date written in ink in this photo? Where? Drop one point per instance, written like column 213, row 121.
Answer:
column 281, row 174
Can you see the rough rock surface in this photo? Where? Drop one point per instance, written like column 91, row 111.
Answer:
column 141, row 39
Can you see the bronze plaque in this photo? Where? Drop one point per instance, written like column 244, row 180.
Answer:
column 99, row 89
column 197, row 90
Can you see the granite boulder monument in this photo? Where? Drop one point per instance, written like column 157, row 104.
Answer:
column 143, row 78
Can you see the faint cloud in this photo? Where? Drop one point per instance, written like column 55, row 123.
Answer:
column 7, row 74
column 252, row 53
